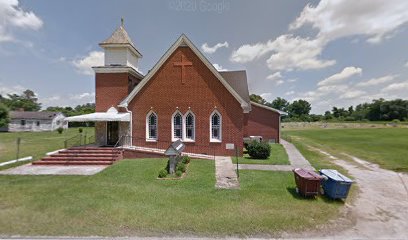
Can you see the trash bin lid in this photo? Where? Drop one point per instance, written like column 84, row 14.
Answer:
column 335, row 175
column 307, row 174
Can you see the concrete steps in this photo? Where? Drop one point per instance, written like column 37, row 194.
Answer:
column 83, row 156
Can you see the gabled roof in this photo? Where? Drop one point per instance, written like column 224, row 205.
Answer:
column 33, row 115
column 238, row 81
column 184, row 41
column 269, row 108
column 119, row 38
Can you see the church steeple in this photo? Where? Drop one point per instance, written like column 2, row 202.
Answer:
column 119, row 49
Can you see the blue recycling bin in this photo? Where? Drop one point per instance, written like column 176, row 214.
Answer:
column 335, row 184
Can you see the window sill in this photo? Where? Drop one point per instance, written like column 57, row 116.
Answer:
column 189, row 140
column 151, row 140
column 215, row 140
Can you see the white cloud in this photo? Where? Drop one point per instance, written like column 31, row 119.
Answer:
column 406, row 64
column 219, row 67
column 376, row 19
column 248, row 53
column 276, row 77
column 296, row 53
column 7, row 89
column 401, row 86
column 266, row 96
column 84, row 65
column 288, row 53
column 12, row 16
column 376, row 81
column 213, row 49
column 352, row 94
column 289, row 93
column 341, row 76
column 83, row 96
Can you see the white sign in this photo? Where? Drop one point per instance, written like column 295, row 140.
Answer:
column 229, row 146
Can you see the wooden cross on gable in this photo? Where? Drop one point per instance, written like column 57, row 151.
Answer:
column 183, row 64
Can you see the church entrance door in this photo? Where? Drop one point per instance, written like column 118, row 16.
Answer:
column 112, row 133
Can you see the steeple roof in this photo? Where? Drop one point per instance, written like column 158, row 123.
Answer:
column 120, row 37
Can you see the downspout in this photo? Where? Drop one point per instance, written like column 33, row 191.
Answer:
column 131, row 125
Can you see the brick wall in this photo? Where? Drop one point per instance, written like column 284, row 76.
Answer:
column 110, row 89
column 263, row 122
column 202, row 92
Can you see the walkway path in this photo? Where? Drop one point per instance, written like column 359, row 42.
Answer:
column 225, row 175
column 296, row 160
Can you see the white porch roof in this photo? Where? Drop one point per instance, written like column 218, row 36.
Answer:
column 109, row 116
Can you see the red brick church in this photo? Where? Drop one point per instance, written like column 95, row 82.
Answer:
column 182, row 97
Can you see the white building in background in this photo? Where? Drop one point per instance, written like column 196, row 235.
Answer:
column 21, row 121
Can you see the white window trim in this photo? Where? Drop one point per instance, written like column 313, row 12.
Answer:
column 185, row 126
column 148, row 139
column 173, row 139
column 211, row 138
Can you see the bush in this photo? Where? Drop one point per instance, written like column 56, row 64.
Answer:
column 163, row 173
column 259, row 150
column 60, row 130
column 186, row 159
column 181, row 167
column 179, row 173
column 80, row 130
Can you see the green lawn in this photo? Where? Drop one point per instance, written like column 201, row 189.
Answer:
column 126, row 199
column 278, row 157
column 387, row 147
column 35, row 144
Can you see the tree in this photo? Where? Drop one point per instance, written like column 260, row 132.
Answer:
column 257, row 99
column 4, row 115
column 280, row 104
column 26, row 101
column 299, row 108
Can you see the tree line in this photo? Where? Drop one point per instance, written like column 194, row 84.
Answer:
column 27, row 101
column 377, row 110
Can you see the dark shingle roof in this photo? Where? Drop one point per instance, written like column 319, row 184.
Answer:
column 238, row 81
column 33, row 115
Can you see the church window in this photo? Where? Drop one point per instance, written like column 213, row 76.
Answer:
column 216, row 127
column 177, row 126
column 190, row 126
column 151, row 126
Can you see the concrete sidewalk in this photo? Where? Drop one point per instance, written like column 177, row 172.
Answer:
column 29, row 169
column 296, row 160
column 225, row 175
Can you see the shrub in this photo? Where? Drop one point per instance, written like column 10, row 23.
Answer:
column 186, row 160
column 60, row 130
column 179, row 173
column 259, row 150
column 80, row 130
column 181, row 167
column 163, row 173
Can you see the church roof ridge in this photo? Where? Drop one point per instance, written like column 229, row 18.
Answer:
column 184, row 40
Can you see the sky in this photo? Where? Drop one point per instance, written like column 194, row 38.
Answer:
column 330, row 53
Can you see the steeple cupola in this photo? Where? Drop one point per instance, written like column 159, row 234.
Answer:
column 120, row 50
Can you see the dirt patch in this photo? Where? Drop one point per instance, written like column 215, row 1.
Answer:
column 380, row 209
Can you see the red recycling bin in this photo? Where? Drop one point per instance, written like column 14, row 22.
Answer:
column 307, row 182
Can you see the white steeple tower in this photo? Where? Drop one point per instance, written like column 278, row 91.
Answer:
column 120, row 50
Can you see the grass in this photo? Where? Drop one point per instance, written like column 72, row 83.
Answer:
column 278, row 157
column 387, row 147
column 126, row 199
column 35, row 144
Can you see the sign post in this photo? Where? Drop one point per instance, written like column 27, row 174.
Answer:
column 18, row 148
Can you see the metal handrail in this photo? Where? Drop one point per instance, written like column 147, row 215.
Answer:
column 116, row 145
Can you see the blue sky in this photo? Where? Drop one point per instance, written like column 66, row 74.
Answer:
column 331, row 53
